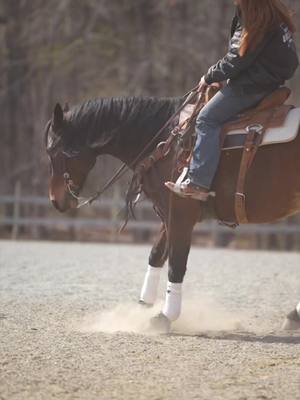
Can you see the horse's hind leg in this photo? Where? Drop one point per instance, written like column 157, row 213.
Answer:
column 292, row 321
column 157, row 258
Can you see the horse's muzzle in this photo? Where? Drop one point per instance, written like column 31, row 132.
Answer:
column 68, row 203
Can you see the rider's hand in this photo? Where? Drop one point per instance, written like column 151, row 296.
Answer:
column 202, row 84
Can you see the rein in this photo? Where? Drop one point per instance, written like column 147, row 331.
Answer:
column 71, row 188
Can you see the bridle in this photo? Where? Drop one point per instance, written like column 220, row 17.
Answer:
column 72, row 189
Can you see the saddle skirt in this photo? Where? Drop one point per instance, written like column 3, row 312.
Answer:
column 287, row 131
column 281, row 122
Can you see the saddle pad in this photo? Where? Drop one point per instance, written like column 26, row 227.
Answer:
column 236, row 138
column 283, row 134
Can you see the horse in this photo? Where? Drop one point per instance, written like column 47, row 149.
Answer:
column 123, row 128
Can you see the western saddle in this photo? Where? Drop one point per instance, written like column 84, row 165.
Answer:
column 271, row 112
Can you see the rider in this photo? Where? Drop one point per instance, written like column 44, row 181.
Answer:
column 261, row 57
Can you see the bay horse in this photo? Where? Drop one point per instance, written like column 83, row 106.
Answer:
column 122, row 127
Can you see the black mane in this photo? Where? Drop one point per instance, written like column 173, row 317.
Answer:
column 105, row 121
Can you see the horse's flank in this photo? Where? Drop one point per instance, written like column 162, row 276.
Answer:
column 273, row 183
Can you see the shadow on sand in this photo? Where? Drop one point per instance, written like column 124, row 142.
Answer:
column 273, row 337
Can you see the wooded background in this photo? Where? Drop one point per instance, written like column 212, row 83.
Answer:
column 73, row 50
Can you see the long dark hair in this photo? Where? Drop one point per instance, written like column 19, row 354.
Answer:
column 259, row 17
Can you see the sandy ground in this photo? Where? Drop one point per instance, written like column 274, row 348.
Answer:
column 70, row 327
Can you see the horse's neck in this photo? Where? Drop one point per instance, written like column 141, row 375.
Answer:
column 139, row 124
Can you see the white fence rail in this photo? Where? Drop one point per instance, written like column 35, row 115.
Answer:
column 109, row 207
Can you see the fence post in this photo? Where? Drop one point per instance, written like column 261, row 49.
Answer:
column 16, row 211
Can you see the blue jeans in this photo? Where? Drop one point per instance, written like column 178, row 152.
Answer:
column 220, row 109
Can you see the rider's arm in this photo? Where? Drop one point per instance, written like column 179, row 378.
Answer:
column 232, row 64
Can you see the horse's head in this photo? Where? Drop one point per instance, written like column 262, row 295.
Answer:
column 70, row 161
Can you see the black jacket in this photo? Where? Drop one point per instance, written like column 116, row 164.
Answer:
column 268, row 66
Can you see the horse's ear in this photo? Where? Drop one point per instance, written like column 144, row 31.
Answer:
column 66, row 107
column 58, row 116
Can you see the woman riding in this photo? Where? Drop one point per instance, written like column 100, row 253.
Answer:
column 262, row 56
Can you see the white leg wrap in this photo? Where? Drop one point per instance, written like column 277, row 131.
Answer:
column 172, row 307
column 151, row 281
column 298, row 309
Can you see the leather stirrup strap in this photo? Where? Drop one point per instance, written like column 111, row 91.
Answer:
column 254, row 139
column 240, row 197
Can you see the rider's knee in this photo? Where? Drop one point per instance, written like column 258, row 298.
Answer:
column 203, row 120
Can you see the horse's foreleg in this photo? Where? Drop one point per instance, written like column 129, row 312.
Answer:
column 292, row 321
column 157, row 258
column 180, row 232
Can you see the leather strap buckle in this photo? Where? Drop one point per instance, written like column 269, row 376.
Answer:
column 257, row 128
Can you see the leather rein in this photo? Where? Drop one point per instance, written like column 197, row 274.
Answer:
column 72, row 189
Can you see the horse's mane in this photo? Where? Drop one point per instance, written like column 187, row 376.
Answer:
column 93, row 118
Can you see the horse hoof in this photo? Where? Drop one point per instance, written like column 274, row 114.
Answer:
column 292, row 321
column 145, row 305
column 160, row 323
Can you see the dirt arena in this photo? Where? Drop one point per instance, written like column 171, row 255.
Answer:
column 70, row 327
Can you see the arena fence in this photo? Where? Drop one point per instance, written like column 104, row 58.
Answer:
column 18, row 212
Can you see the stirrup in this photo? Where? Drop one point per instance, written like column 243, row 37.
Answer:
column 182, row 176
column 179, row 181
column 181, row 184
